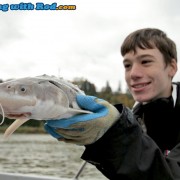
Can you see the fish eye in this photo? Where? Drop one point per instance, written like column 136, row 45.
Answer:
column 23, row 89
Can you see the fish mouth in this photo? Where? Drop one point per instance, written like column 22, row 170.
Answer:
column 18, row 115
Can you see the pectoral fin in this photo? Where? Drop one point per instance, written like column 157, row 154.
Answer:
column 17, row 123
column 79, row 111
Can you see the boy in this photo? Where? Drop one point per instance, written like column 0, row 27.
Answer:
column 143, row 143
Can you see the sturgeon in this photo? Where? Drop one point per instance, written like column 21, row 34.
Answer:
column 38, row 98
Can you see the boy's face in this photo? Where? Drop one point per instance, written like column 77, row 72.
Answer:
column 146, row 74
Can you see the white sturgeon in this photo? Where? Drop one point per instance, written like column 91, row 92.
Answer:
column 39, row 98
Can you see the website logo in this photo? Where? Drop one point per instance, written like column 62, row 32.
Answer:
column 39, row 6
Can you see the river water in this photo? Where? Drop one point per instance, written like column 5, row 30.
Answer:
column 40, row 154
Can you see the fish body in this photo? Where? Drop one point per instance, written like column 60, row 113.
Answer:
column 39, row 98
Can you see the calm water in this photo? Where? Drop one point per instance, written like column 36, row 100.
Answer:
column 43, row 155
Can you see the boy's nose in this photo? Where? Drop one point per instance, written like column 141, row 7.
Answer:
column 136, row 72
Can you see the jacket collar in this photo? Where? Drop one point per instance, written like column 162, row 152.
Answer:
column 174, row 96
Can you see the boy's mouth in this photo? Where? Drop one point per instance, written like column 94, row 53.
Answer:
column 139, row 86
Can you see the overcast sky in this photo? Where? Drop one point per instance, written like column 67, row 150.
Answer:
column 82, row 43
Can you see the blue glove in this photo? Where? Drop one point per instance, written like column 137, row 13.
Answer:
column 84, row 129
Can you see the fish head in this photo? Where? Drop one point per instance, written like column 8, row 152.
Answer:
column 32, row 98
column 13, row 96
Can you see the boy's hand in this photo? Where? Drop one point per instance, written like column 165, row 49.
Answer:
column 84, row 129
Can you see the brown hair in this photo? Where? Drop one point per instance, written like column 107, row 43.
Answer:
column 150, row 38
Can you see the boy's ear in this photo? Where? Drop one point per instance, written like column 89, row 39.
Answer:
column 173, row 68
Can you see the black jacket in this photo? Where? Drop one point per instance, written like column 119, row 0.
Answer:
column 127, row 152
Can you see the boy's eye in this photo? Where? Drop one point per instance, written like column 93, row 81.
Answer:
column 146, row 61
column 127, row 66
